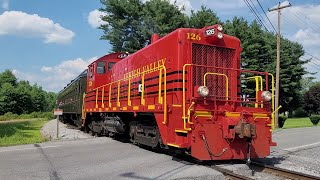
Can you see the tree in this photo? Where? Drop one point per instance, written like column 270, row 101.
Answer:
column 50, row 101
column 38, row 98
column 24, row 99
column 203, row 17
column 161, row 17
column 312, row 99
column 20, row 97
column 130, row 23
column 8, row 98
column 8, row 77
column 123, row 27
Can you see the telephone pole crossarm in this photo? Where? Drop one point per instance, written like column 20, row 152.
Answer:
column 279, row 7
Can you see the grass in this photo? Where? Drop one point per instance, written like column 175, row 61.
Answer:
column 297, row 122
column 21, row 132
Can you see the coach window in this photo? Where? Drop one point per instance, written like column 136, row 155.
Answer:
column 110, row 64
column 101, row 67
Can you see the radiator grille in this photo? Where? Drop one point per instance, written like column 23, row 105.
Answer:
column 217, row 57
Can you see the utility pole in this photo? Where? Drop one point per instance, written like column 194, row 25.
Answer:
column 278, row 9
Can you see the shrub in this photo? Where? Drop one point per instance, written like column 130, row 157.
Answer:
column 24, row 116
column 48, row 115
column 300, row 113
column 10, row 116
column 315, row 119
column 281, row 121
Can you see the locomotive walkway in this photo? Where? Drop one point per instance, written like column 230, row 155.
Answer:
column 104, row 158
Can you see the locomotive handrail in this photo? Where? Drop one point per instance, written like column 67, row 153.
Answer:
column 218, row 74
column 102, row 100
column 161, row 100
column 272, row 97
column 257, row 87
column 186, row 119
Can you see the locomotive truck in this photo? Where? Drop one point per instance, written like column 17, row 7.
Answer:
column 184, row 91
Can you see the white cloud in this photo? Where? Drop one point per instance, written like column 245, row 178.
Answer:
column 5, row 4
column 94, row 18
column 307, row 38
column 32, row 25
column 54, row 78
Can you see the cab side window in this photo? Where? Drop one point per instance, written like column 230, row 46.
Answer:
column 101, row 67
column 110, row 64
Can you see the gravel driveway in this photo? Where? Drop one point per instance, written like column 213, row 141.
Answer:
column 69, row 132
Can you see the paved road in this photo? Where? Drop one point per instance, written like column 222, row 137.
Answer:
column 104, row 158
column 97, row 158
column 298, row 149
column 297, row 139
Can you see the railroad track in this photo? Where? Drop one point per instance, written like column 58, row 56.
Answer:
column 258, row 167
column 280, row 172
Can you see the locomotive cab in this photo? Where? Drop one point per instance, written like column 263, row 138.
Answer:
column 102, row 68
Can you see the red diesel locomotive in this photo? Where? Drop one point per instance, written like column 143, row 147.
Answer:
column 182, row 92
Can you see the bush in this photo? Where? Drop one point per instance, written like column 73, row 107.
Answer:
column 10, row 116
column 315, row 119
column 300, row 113
column 282, row 120
column 48, row 115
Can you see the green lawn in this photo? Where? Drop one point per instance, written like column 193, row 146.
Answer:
column 21, row 132
column 297, row 122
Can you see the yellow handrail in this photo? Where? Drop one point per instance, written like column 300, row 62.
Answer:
column 118, row 98
column 257, row 87
column 110, row 89
column 164, row 94
column 83, row 102
column 102, row 98
column 184, row 95
column 142, row 90
column 162, row 100
column 129, row 92
column 159, row 90
column 97, row 93
column 272, row 101
column 218, row 74
column 189, row 112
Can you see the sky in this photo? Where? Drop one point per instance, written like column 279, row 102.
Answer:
column 50, row 42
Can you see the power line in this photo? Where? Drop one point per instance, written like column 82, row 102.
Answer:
column 255, row 14
column 267, row 16
column 288, row 19
column 300, row 26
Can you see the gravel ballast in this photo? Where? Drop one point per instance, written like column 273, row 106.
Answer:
column 66, row 132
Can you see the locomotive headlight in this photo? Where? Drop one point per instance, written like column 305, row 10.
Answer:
column 220, row 35
column 203, row 91
column 220, row 28
column 266, row 96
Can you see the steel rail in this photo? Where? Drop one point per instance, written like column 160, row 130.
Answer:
column 280, row 172
column 230, row 174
